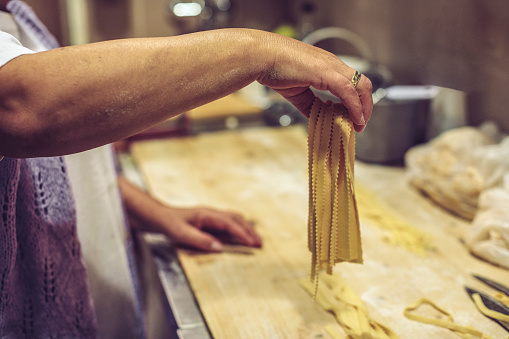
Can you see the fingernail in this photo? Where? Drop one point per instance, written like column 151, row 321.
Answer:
column 216, row 246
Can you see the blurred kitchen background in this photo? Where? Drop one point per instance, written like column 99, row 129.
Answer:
column 458, row 44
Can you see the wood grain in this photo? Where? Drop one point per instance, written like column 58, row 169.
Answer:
column 262, row 173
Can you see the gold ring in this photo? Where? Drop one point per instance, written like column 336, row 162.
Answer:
column 355, row 79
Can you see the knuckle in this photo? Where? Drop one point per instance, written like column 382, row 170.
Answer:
column 199, row 214
column 347, row 88
column 200, row 217
column 178, row 234
column 368, row 84
column 237, row 216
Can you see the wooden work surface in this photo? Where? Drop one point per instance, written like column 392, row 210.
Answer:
column 263, row 174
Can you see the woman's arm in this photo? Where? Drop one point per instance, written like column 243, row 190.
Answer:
column 185, row 226
column 75, row 98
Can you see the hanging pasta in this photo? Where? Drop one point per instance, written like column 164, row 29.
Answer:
column 333, row 224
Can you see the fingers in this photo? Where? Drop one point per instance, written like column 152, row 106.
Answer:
column 188, row 225
column 357, row 99
column 365, row 89
column 231, row 223
column 248, row 227
column 293, row 76
column 194, row 237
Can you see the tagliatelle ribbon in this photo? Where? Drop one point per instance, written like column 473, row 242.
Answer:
column 486, row 311
column 504, row 299
column 333, row 223
column 463, row 331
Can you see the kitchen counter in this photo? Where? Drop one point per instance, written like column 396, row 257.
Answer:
column 262, row 173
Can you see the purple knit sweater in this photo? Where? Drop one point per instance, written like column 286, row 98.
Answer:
column 43, row 284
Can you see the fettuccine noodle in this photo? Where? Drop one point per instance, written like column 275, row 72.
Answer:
column 333, row 223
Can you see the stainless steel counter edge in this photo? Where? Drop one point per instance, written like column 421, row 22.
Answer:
column 184, row 311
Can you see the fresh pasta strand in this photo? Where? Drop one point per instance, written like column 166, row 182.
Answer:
column 486, row 311
column 504, row 299
column 466, row 332
column 333, row 222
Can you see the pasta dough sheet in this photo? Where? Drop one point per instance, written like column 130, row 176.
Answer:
column 333, row 223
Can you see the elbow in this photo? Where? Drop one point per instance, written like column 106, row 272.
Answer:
column 21, row 132
column 25, row 122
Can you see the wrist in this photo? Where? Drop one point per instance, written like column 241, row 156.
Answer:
column 141, row 207
column 265, row 55
column 254, row 50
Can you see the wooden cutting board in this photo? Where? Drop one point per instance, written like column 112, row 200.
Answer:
column 262, row 173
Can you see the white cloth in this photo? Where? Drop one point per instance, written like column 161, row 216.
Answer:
column 103, row 236
column 10, row 47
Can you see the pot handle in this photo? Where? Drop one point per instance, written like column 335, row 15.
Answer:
column 343, row 34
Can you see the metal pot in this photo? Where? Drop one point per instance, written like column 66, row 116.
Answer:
column 400, row 120
column 379, row 75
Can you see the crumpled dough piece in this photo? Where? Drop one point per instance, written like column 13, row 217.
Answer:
column 488, row 236
column 335, row 296
column 333, row 222
column 445, row 171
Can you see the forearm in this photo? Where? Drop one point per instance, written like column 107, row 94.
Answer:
column 72, row 99
column 76, row 98
column 143, row 211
